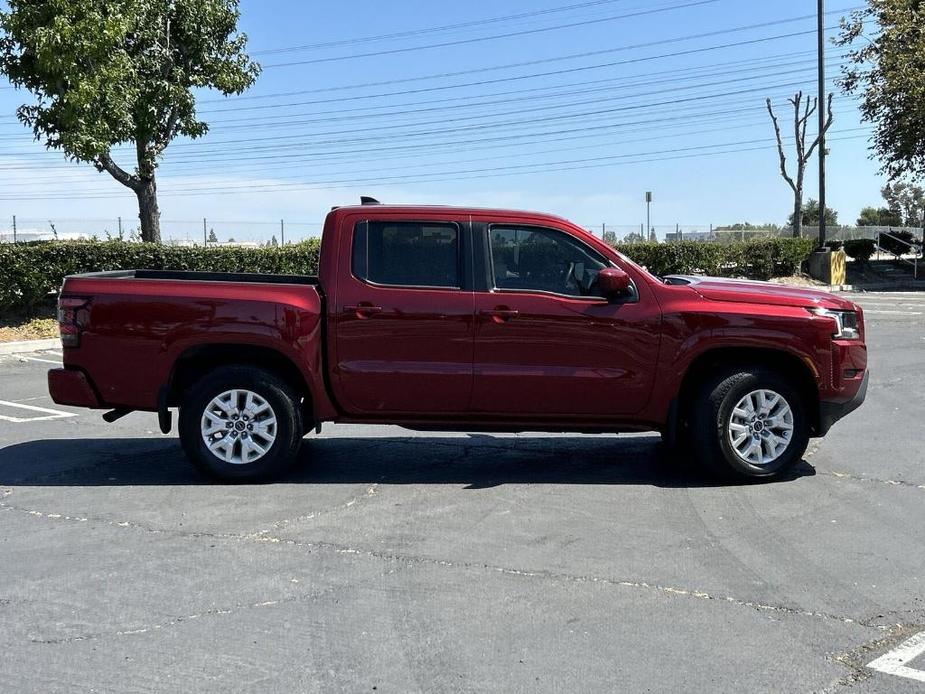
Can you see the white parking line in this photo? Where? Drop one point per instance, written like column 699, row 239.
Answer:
column 894, row 662
column 46, row 413
column 44, row 361
column 891, row 313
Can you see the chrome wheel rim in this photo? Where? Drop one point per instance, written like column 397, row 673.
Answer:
column 238, row 427
column 760, row 427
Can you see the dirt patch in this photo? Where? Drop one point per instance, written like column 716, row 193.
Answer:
column 799, row 281
column 38, row 324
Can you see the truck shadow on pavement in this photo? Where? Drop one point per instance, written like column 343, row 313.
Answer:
column 477, row 461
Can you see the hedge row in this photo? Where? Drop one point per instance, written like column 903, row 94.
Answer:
column 29, row 272
column 760, row 260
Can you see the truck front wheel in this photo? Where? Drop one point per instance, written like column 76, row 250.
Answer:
column 241, row 424
column 749, row 423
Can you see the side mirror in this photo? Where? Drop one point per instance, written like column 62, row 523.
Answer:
column 613, row 282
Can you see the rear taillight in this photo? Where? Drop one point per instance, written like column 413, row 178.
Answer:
column 73, row 315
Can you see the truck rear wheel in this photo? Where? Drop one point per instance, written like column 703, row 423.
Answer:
column 241, row 424
column 749, row 423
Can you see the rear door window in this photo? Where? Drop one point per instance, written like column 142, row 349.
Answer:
column 407, row 254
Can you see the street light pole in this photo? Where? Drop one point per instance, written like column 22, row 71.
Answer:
column 822, row 116
column 648, row 235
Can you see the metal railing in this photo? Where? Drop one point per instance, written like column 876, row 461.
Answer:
column 907, row 248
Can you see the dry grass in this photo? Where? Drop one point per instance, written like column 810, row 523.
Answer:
column 36, row 325
column 799, row 281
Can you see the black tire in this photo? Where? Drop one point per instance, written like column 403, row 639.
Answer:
column 712, row 410
column 285, row 404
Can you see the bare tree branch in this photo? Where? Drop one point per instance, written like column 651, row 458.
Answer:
column 780, row 149
column 825, row 129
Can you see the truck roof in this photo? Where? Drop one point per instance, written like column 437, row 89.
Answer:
column 424, row 209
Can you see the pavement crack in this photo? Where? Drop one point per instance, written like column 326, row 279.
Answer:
column 181, row 619
column 370, row 492
column 874, row 480
column 857, row 658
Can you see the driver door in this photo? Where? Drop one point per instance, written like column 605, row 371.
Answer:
column 546, row 343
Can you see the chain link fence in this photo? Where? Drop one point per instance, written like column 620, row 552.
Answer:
column 195, row 232
column 189, row 232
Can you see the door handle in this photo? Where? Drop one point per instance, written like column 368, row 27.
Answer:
column 363, row 310
column 500, row 315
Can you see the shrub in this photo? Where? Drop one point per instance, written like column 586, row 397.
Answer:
column 860, row 249
column 759, row 259
column 29, row 272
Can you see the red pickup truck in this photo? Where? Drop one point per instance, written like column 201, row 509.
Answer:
column 440, row 318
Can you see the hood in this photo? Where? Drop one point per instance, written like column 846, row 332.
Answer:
column 767, row 293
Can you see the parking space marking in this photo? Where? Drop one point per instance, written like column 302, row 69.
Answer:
column 892, row 313
column 894, row 662
column 45, row 415
column 45, row 361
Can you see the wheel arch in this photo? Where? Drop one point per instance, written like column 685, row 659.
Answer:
column 195, row 362
column 782, row 362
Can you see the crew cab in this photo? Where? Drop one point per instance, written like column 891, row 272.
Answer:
column 441, row 318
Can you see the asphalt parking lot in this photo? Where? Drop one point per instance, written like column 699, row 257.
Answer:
column 401, row 562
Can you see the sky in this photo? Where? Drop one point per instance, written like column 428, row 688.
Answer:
column 576, row 107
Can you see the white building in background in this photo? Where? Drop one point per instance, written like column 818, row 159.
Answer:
column 22, row 235
column 234, row 244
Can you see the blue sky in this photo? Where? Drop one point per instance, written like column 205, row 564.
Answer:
column 579, row 120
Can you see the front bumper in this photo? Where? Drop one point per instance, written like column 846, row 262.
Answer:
column 831, row 412
column 72, row 387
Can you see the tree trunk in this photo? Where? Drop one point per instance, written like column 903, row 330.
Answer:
column 797, row 215
column 148, row 212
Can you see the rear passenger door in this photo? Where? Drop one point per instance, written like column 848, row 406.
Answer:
column 404, row 319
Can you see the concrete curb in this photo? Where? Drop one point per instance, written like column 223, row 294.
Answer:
column 26, row 346
column 883, row 287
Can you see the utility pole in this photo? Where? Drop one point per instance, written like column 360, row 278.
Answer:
column 205, row 235
column 120, row 227
column 14, row 228
column 822, row 118
column 648, row 215
column 282, row 233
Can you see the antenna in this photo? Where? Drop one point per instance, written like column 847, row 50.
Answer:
column 366, row 200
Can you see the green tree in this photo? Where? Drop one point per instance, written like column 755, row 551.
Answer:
column 113, row 72
column 634, row 237
column 879, row 217
column 273, row 242
column 212, row 237
column 886, row 65
column 906, row 202
column 810, row 213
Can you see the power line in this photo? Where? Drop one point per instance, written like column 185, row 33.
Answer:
column 728, row 124
column 445, row 99
column 712, row 150
column 721, row 110
column 618, row 95
column 428, row 30
column 249, row 124
column 574, row 56
column 494, row 37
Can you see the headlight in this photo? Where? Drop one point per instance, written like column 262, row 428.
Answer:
column 847, row 322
